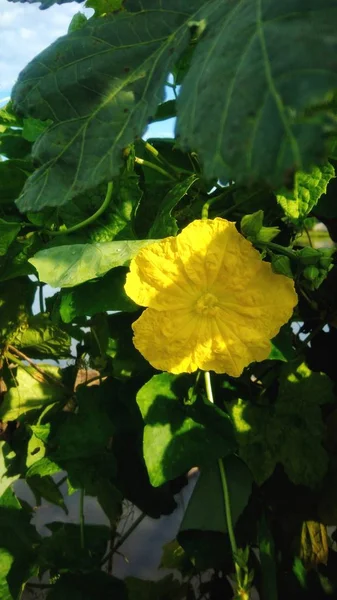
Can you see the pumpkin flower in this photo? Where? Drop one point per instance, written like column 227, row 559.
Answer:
column 212, row 303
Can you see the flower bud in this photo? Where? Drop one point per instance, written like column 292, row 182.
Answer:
column 311, row 273
column 251, row 224
column 309, row 256
column 281, row 265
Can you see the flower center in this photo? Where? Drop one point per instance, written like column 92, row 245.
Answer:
column 207, row 305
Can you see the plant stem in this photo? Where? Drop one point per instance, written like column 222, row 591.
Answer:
column 82, row 517
column 46, row 376
column 123, row 538
column 41, row 298
column 90, row 219
column 277, row 248
column 150, row 165
column 225, row 491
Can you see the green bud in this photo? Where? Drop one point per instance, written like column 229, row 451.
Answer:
column 251, row 224
column 267, row 234
column 311, row 273
column 309, row 256
column 281, row 265
column 326, row 257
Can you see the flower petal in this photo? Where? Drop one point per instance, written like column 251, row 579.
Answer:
column 157, row 278
column 182, row 342
column 213, row 248
column 167, row 339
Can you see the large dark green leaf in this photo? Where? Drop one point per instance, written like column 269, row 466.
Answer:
column 13, row 145
column 45, row 3
column 8, row 233
column 204, row 528
column 17, row 548
column 63, row 551
column 97, row 296
column 70, row 265
column 255, row 102
column 290, row 431
column 99, row 85
column 173, row 441
column 13, row 174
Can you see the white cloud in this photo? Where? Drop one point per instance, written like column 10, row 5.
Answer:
column 25, row 30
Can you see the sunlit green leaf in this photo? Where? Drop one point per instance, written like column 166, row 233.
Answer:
column 42, row 338
column 67, row 266
column 308, row 189
column 31, row 392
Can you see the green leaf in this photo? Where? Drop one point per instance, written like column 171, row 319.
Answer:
column 281, row 345
column 162, row 589
column 136, row 49
column 17, row 548
column 104, row 294
column 308, row 189
column 173, row 441
column 70, row 265
column 268, row 560
column 6, row 456
column 126, row 360
column 166, row 110
column 205, row 517
column 46, row 487
column 290, row 431
column 174, row 557
column 15, row 304
column 42, row 339
column 33, row 128
column 13, row 145
column 77, row 22
column 88, row 586
column 8, row 233
column 62, row 550
column 42, row 468
column 13, row 174
column 251, row 106
column 30, row 392
column 45, row 3
column 103, row 7
column 165, row 224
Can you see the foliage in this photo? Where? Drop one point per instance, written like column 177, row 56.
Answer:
column 252, row 86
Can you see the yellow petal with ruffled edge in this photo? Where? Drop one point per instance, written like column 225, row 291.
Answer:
column 213, row 303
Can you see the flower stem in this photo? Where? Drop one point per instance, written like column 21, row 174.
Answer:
column 90, row 219
column 150, row 165
column 277, row 248
column 82, row 517
column 225, row 492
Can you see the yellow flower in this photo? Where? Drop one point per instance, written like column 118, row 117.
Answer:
column 213, row 304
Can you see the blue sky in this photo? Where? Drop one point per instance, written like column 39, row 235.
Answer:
column 25, row 30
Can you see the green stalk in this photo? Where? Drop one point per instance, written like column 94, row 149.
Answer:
column 150, row 165
column 225, row 491
column 90, row 219
column 277, row 248
column 82, row 517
